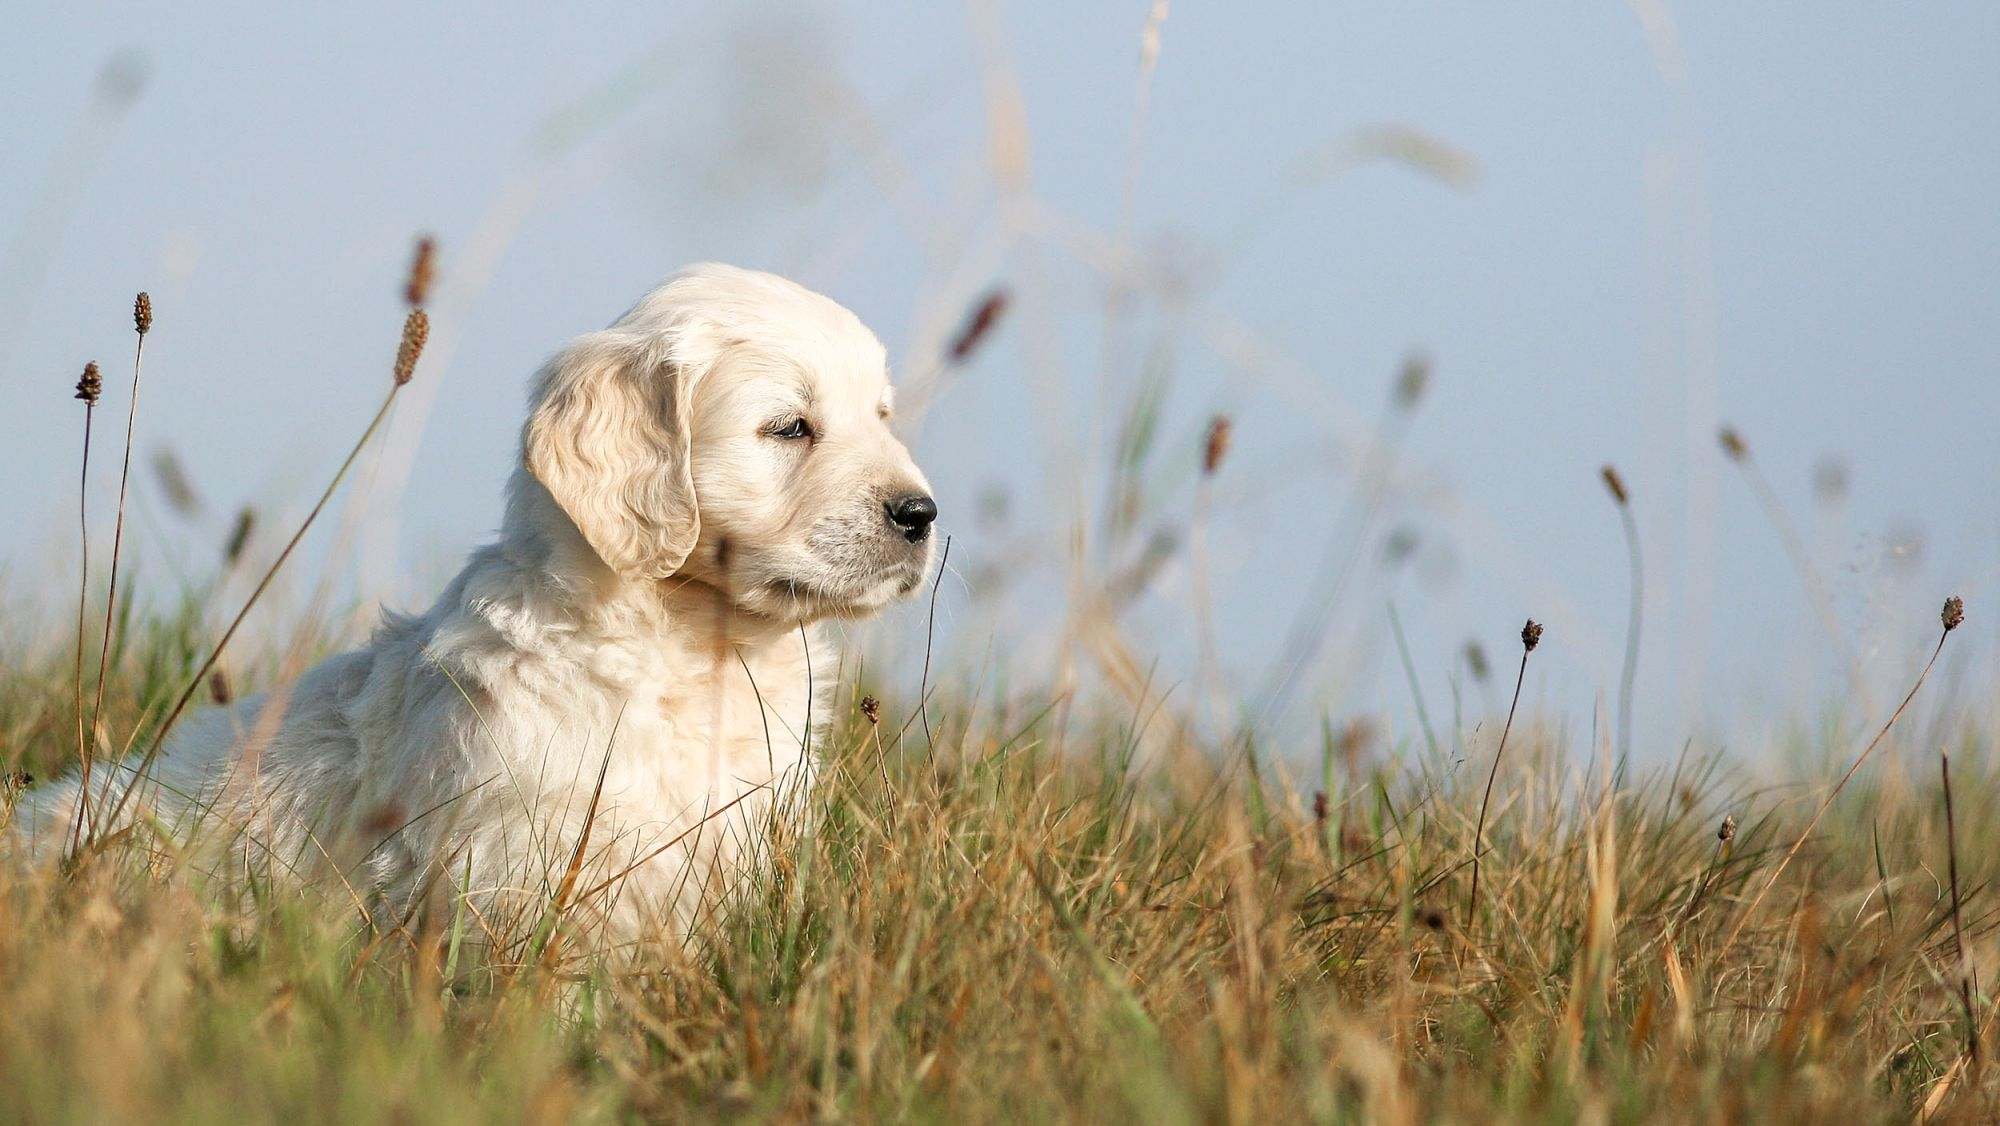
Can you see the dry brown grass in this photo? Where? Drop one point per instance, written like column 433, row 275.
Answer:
column 995, row 931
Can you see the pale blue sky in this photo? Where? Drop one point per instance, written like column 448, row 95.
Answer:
column 1780, row 215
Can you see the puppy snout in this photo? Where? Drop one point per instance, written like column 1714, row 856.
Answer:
column 912, row 515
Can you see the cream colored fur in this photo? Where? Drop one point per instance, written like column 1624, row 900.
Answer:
column 648, row 611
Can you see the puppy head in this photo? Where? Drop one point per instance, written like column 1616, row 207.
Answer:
column 733, row 429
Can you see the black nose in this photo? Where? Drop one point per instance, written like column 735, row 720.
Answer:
column 913, row 515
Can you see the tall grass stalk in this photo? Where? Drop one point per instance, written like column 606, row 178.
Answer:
column 1968, row 982
column 1348, row 536
column 88, row 388
column 416, row 329
column 1531, row 635
column 1215, row 447
column 1952, row 616
column 1738, row 451
column 1615, row 484
column 142, row 323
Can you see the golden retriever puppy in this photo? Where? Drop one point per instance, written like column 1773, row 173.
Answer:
column 604, row 707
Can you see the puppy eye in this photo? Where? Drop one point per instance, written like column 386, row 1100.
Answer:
column 792, row 431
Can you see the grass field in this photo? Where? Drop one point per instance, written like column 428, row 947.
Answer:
column 1019, row 905
column 1040, row 902
column 1008, row 920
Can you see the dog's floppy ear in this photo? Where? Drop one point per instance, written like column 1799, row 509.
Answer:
column 608, row 436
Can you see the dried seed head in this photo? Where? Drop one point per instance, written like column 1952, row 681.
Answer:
column 1531, row 635
column 176, row 484
column 1475, row 661
column 1217, row 445
column 423, row 270
column 1319, row 806
column 142, row 313
column 1954, row 613
column 239, row 535
column 871, row 709
column 1727, row 832
column 1413, row 380
column 123, row 77
column 91, row 385
column 416, row 330
column 993, row 506
column 1616, row 484
column 1830, row 479
column 1402, row 542
column 218, row 687
column 1354, row 740
column 984, row 316
column 1732, row 444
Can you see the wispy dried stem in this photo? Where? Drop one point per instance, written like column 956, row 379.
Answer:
column 415, row 329
column 1308, row 631
column 1215, row 447
column 930, row 636
column 1531, row 636
column 1967, row 984
column 89, row 389
column 1615, row 484
column 1738, row 451
column 142, row 323
column 1952, row 615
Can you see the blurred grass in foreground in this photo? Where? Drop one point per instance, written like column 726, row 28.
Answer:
column 1020, row 924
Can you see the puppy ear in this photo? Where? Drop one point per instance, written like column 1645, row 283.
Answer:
column 608, row 436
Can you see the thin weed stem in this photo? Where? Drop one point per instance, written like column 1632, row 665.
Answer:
column 1630, row 673
column 405, row 363
column 1725, row 838
column 1795, row 551
column 1743, row 917
column 1530, row 635
column 1967, row 985
column 143, row 323
column 1410, row 674
column 1344, row 547
column 930, row 635
column 83, row 567
column 1215, row 448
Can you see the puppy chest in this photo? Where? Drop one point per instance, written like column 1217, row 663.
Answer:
column 744, row 724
